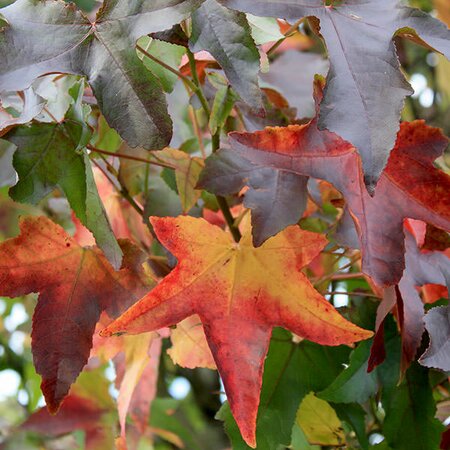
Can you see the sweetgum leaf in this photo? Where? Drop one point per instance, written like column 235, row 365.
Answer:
column 187, row 172
column 63, row 40
column 77, row 413
column 292, row 74
column 437, row 323
column 138, row 383
column 164, row 51
column 421, row 268
column 49, row 156
column 353, row 384
column 410, row 409
column 365, row 89
column 319, row 422
column 226, row 34
column 189, row 347
column 304, row 367
column 32, row 106
column 410, row 186
column 240, row 294
column 75, row 285
column 277, row 198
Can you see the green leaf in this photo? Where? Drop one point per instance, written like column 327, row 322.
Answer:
column 52, row 155
column 226, row 35
column 264, row 29
column 3, row 22
column 299, row 440
column 169, row 53
column 354, row 416
column 133, row 174
column 319, row 422
column 290, row 372
column 353, row 384
column 410, row 422
column 161, row 200
column 222, row 106
column 187, row 172
column 7, row 172
column 65, row 41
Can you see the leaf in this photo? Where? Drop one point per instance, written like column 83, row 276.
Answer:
column 410, row 186
column 89, row 407
column 187, row 172
column 189, row 347
column 222, row 106
column 164, row 51
column 292, row 74
column 277, row 198
column 139, row 370
column 63, row 40
column 249, row 291
column 290, row 372
column 319, row 422
column 353, row 384
column 227, row 36
column 50, row 156
column 32, row 106
column 126, row 222
column 421, row 268
column 75, row 285
column 264, row 29
column 77, row 413
column 365, row 88
column 8, row 176
column 353, row 414
column 437, row 323
column 410, row 409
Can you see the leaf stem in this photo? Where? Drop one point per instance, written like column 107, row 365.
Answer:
column 350, row 294
column 347, row 276
column 122, row 191
column 215, row 143
column 289, row 32
column 222, row 201
column 131, row 157
column 198, row 90
column 46, row 110
column 197, row 132
column 167, row 67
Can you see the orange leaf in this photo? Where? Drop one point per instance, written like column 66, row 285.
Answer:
column 189, row 347
column 240, row 293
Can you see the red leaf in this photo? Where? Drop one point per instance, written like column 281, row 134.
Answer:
column 75, row 285
column 421, row 268
column 77, row 413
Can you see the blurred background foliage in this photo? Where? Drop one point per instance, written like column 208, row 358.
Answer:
column 183, row 414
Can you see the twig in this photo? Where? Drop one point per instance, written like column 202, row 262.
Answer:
column 346, row 276
column 215, row 143
column 356, row 294
column 197, row 132
column 197, row 87
column 167, row 67
column 289, row 32
column 222, row 201
column 133, row 158
column 122, row 191
column 50, row 114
